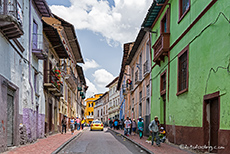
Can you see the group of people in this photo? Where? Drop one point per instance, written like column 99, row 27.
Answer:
column 132, row 126
column 75, row 123
column 158, row 133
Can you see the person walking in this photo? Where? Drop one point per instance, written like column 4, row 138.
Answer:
column 78, row 123
column 154, row 129
column 64, row 122
column 140, row 126
column 110, row 123
column 72, row 125
column 82, row 123
column 134, row 126
column 116, row 124
column 127, row 126
column 120, row 124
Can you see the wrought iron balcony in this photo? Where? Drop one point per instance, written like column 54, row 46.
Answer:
column 71, row 78
column 161, row 47
column 52, row 82
column 39, row 49
column 10, row 19
column 146, row 67
column 137, row 77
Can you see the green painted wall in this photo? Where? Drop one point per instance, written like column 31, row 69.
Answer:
column 210, row 50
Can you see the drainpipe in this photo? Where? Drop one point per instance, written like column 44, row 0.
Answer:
column 31, row 87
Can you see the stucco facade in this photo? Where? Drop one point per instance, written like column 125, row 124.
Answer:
column 140, row 65
column 201, row 105
column 89, row 108
column 114, row 99
column 21, row 74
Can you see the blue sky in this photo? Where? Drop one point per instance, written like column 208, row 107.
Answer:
column 102, row 27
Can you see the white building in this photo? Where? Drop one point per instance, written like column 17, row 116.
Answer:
column 114, row 99
column 21, row 75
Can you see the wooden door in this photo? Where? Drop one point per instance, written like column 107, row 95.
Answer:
column 50, row 117
column 10, row 117
column 214, row 123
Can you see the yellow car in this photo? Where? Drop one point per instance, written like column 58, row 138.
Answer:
column 96, row 125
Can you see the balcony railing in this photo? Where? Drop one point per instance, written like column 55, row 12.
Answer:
column 161, row 47
column 10, row 19
column 137, row 77
column 146, row 67
column 53, row 83
column 39, row 49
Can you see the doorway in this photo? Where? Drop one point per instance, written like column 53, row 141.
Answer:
column 50, row 117
column 211, row 120
column 37, row 129
column 10, row 117
column 164, row 111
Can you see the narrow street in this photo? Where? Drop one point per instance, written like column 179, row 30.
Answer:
column 101, row 142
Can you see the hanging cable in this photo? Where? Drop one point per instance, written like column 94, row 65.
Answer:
column 198, row 35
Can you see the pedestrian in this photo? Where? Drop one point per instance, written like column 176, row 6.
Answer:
column 72, row 125
column 154, row 129
column 134, row 126
column 120, row 124
column 64, row 122
column 82, row 123
column 113, row 124
column 130, row 130
column 127, row 126
column 78, row 121
column 162, row 135
column 140, row 126
column 110, row 123
column 116, row 124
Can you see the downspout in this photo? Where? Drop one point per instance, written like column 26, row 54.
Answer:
column 30, row 3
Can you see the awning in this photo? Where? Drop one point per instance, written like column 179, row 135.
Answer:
column 43, row 8
column 55, row 40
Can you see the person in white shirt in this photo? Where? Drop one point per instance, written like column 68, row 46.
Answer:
column 127, row 126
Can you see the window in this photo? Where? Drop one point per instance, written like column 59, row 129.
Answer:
column 140, row 67
column 92, row 113
column 182, row 80
column 165, row 23
column 184, row 7
column 89, row 113
column 35, row 35
column 148, row 107
column 36, row 81
column 163, row 83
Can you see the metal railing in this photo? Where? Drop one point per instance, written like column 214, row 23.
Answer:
column 11, row 7
column 146, row 67
column 51, row 77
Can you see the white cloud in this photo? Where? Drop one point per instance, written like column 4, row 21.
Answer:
column 102, row 78
column 117, row 24
column 90, row 64
column 91, row 90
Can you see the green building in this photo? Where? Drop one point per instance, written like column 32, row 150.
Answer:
column 190, row 74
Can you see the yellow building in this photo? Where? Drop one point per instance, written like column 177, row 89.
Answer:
column 89, row 109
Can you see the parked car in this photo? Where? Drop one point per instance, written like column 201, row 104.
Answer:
column 96, row 125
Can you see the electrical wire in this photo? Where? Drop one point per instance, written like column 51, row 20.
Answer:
column 215, row 71
column 221, row 13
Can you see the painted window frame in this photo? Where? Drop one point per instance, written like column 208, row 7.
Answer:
column 163, row 91
column 167, row 17
column 186, row 49
column 182, row 15
column 35, row 35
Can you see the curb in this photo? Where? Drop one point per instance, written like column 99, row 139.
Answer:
column 66, row 143
column 139, row 145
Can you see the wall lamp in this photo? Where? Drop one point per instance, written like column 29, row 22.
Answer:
column 147, row 29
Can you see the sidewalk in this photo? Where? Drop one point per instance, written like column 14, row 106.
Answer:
column 163, row 149
column 44, row 145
